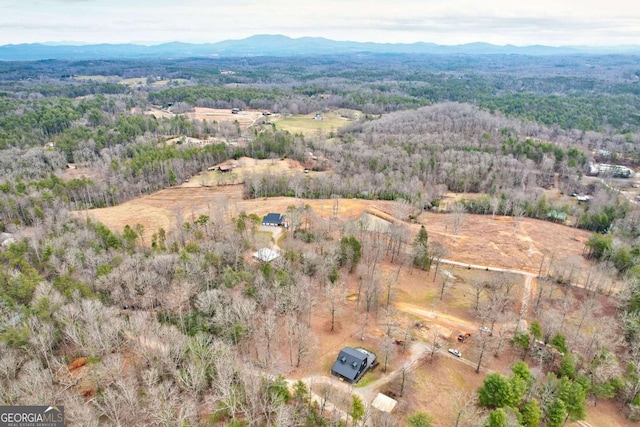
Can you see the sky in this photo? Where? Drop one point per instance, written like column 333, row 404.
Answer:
column 449, row 22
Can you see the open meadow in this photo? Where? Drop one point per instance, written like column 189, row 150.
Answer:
column 244, row 118
column 317, row 123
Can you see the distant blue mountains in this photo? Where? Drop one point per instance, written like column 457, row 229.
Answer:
column 279, row 45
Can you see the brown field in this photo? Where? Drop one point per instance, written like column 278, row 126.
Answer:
column 499, row 242
column 245, row 118
column 241, row 169
column 481, row 240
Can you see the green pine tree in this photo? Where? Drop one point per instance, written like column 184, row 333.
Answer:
column 421, row 250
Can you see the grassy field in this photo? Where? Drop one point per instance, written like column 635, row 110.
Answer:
column 97, row 78
column 307, row 125
column 142, row 81
column 135, row 81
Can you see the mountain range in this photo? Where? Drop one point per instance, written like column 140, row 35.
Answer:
column 279, row 45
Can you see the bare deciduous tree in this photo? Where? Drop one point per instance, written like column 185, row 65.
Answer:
column 478, row 287
column 335, row 295
column 466, row 409
column 435, row 342
column 268, row 334
column 458, row 216
column 437, row 252
column 387, row 347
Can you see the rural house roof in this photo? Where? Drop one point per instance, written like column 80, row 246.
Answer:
column 350, row 364
column 266, row 255
column 273, row 218
column 384, row 403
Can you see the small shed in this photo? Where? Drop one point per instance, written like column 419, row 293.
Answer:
column 384, row 403
column 273, row 219
column 266, row 255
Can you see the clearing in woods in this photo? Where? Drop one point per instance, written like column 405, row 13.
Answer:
column 131, row 82
column 245, row 118
column 311, row 124
column 481, row 240
column 239, row 170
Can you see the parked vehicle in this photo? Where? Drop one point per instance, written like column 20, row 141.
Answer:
column 485, row 329
column 455, row 352
column 463, row 337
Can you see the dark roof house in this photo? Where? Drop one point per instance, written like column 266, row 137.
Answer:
column 274, row 219
column 352, row 363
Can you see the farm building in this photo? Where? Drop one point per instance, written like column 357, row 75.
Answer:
column 223, row 168
column 266, row 255
column 384, row 403
column 614, row 171
column 274, row 219
column 352, row 363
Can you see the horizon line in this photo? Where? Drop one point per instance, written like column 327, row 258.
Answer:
column 74, row 43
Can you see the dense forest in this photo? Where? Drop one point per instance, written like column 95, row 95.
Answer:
column 178, row 327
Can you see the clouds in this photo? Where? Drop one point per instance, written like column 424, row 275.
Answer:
column 447, row 22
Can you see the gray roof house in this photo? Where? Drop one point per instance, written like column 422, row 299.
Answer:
column 274, row 219
column 352, row 363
